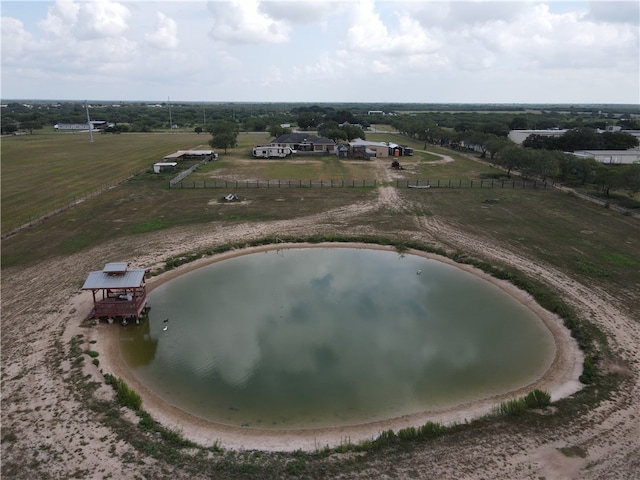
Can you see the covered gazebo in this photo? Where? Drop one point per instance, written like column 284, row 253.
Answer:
column 118, row 291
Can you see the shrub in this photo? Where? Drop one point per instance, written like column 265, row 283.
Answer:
column 124, row 395
column 589, row 370
column 538, row 399
column 514, row 407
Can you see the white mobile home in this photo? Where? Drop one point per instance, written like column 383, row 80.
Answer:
column 272, row 151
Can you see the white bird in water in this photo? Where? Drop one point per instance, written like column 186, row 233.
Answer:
column 165, row 328
column 418, row 272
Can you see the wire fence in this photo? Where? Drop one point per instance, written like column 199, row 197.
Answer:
column 491, row 183
column 277, row 184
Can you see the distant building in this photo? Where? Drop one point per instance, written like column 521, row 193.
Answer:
column 95, row 125
column 519, row 136
column 611, row 157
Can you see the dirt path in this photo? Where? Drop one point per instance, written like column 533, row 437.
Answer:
column 48, row 433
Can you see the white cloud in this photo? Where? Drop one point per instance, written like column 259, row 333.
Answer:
column 242, row 21
column 16, row 41
column 165, row 36
column 365, row 50
column 300, row 12
column 539, row 38
column 86, row 20
column 370, row 33
column 615, row 12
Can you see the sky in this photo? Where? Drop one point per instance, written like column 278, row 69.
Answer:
column 416, row 51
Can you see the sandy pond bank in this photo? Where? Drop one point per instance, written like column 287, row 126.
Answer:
column 561, row 379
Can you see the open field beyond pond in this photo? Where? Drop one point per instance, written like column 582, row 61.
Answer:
column 60, row 420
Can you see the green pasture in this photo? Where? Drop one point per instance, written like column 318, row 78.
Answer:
column 43, row 172
column 40, row 171
column 587, row 241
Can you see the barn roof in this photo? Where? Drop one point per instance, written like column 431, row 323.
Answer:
column 115, row 275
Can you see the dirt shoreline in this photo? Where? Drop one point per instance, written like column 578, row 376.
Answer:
column 560, row 379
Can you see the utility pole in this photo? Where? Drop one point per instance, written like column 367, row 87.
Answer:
column 86, row 107
column 170, row 119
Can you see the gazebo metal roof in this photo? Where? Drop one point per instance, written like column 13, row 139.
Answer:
column 114, row 276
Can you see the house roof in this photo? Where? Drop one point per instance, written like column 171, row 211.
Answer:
column 115, row 275
column 367, row 143
column 301, row 137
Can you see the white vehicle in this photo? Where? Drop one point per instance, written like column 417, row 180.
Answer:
column 272, row 151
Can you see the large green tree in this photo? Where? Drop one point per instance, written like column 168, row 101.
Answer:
column 224, row 134
column 510, row 157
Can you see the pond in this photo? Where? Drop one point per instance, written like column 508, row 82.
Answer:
column 318, row 337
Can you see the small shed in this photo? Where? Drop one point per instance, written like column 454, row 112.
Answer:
column 118, row 291
column 161, row 166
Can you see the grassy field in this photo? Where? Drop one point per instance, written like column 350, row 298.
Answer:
column 43, row 170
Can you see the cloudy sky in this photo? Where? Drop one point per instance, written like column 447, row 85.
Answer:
column 423, row 51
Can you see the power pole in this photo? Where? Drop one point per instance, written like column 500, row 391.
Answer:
column 86, row 107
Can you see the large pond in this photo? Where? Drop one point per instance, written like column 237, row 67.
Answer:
column 318, row 337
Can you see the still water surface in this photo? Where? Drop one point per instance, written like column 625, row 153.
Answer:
column 317, row 337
